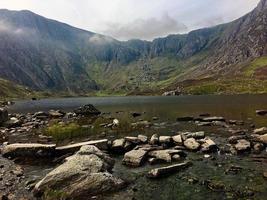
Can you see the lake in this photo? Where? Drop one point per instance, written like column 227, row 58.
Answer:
column 207, row 178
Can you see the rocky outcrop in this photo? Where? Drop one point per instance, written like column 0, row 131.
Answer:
column 83, row 175
column 28, row 150
column 87, row 110
column 164, row 171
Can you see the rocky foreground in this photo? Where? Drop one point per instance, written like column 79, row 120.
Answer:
column 85, row 169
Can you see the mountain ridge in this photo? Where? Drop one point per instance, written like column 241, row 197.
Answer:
column 50, row 55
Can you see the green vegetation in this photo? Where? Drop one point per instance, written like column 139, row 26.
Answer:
column 255, row 65
column 54, row 195
column 66, row 131
column 229, row 86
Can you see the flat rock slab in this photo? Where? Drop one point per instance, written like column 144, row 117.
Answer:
column 100, row 144
column 164, row 171
column 212, row 119
column 28, row 150
column 134, row 158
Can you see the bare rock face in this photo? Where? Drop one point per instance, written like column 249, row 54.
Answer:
column 83, row 175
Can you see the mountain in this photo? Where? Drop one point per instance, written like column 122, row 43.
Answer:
column 45, row 54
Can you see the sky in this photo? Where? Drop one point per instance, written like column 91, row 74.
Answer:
column 136, row 19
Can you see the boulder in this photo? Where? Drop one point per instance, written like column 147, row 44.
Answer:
column 165, row 155
column 163, row 171
column 28, row 150
column 133, row 140
column 3, row 115
column 83, row 175
column 87, row 110
column 100, row 144
column 235, row 138
column 263, row 139
column 242, row 146
column 13, row 122
column 260, row 131
column 258, row 147
column 208, row 145
column 165, row 139
column 191, row 144
column 118, row 145
column 143, row 138
column 177, row 139
column 134, row 158
column 261, row 112
column 56, row 114
column 41, row 115
column 154, row 139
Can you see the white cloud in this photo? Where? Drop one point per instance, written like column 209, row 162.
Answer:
column 102, row 15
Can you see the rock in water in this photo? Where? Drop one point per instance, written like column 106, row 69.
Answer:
column 191, row 144
column 28, row 150
column 260, row 131
column 135, row 158
column 261, row 112
column 3, row 115
column 82, row 176
column 154, row 139
column 242, row 146
column 159, row 172
column 177, row 140
column 263, row 138
column 208, row 145
column 87, row 110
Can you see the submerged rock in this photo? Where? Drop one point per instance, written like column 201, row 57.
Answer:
column 28, row 150
column 163, row 171
column 184, row 119
column 134, row 158
column 87, row 110
column 82, row 176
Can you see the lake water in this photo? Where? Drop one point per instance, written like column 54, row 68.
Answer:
column 167, row 109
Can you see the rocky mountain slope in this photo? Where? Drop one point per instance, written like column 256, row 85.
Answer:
column 44, row 54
